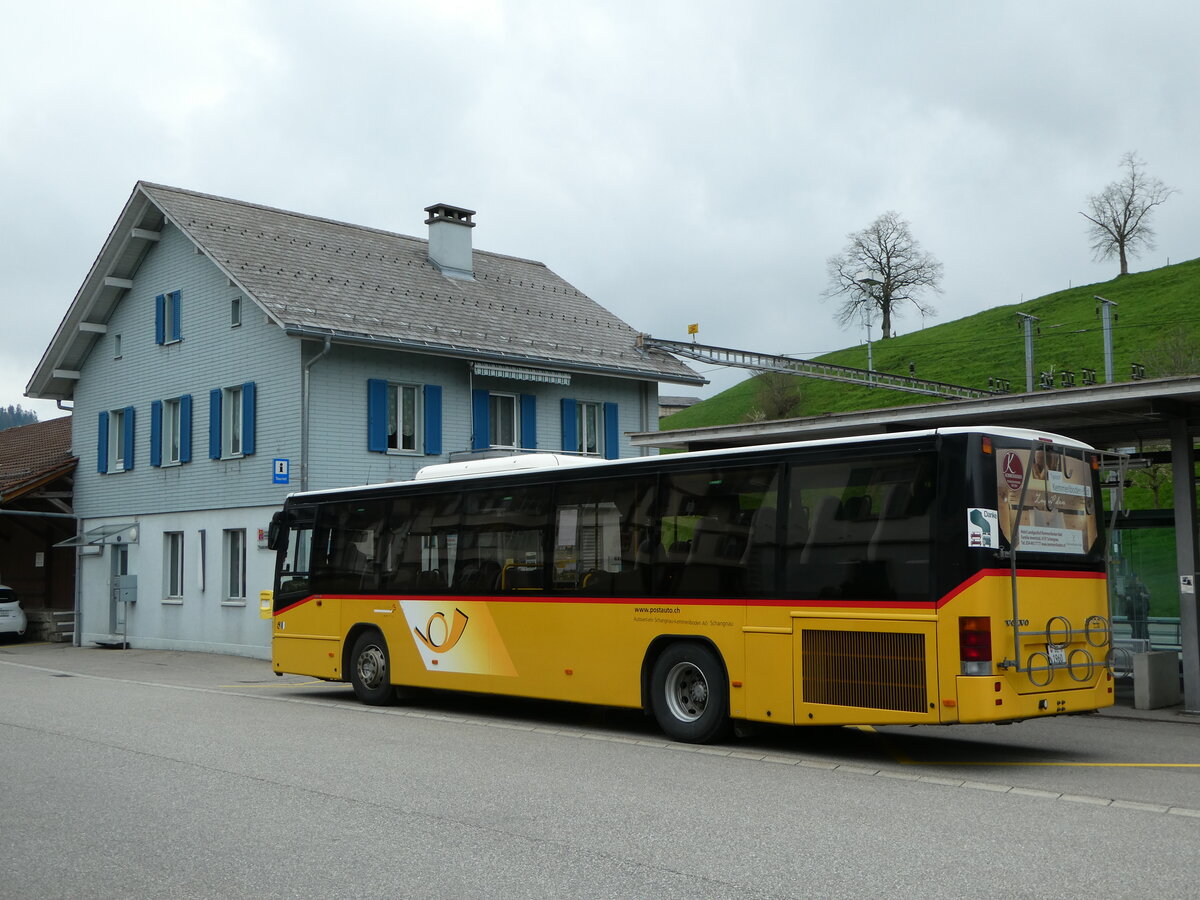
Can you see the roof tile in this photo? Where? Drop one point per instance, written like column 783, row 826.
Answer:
column 356, row 282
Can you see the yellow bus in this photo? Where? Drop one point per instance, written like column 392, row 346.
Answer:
column 940, row 576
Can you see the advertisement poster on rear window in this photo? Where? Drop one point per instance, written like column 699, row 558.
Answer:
column 1059, row 510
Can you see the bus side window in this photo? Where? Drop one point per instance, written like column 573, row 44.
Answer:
column 869, row 534
column 502, row 542
column 348, row 544
column 417, row 551
column 602, row 537
column 293, row 572
column 719, row 523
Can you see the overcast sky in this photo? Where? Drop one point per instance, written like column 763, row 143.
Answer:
column 677, row 161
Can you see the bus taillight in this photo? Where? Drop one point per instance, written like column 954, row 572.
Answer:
column 975, row 644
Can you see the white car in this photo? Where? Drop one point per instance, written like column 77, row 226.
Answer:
column 12, row 617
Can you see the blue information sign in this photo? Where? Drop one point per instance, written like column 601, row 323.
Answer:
column 280, row 476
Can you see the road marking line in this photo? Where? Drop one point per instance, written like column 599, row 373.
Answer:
column 1080, row 765
column 904, row 760
column 282, row 685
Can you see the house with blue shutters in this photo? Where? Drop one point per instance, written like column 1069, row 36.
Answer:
column 222, row 354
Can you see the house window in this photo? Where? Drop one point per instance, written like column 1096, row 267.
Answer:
column 173, row 564
column 116, row 439
column 168, row 317
column 235, row 312
column 231, row 425
column 591, row 428
column 589, row 419
column 235, row 564
column 116, row 346
column 403, row 417
column 171, row 431
column 502, row 420
column 231, row 421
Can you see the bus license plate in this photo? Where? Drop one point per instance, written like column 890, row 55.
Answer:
column 1058, row 655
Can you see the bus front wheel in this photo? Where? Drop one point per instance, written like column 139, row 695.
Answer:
column 689, row 694
column 370, row 672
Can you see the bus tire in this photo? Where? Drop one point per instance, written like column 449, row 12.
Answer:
column 370, row 670
column 689, row 693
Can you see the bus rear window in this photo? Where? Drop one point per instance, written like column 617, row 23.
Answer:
column 1057, row 513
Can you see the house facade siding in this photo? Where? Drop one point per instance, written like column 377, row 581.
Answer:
column 201, row 495
column 211, row 354
column 338, row 449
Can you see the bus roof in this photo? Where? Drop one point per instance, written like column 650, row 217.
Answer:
column 541, row 462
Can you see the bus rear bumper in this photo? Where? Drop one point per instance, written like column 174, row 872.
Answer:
column 994, row 699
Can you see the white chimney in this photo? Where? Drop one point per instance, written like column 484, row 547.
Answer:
column 450, row 239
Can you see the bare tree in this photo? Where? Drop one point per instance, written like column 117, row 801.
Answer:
column 779, row 396
column 881, row 267
column 1120, row 214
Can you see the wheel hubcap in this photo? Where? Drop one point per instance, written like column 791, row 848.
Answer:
column 687, row 692
column 371, row 666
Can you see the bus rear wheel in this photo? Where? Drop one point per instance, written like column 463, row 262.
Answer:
column 689, row 694
column 370, row 671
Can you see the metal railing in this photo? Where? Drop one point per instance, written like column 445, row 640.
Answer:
column 766, row 362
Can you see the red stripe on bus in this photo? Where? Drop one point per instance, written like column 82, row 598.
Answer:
column 291, row 606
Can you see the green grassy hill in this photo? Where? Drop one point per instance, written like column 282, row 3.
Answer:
column 1158, row 325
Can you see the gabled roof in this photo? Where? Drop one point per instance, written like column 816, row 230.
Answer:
column 321, row 278
column 32, row 455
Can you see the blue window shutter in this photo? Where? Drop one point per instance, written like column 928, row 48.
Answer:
column 156, row 433
column 377, row 418
column 612, row 432
column 249, row 418
column 481, row 437
column 176, row 316
column 528, row 421
column 433, row 419
column 160, row 319
column 214, row 423
column 102, row 445
column 570, row 433
column 127, row 438
column 185, row 428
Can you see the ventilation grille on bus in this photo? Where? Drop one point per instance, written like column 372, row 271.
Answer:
column 868, row 669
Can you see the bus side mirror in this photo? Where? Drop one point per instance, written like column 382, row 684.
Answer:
column 277, row 534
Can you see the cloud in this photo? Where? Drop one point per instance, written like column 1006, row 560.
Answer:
column 678, row 161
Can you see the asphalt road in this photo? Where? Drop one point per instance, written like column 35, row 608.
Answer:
column 160, row 774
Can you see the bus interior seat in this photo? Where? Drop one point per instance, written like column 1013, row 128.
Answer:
column 760, row 555
column 636, row 580
column 798, row 526
column 478, row 577
column 520, row 577
column 824, row 526
column 598, row 583
column 716, row 559
column 857, row 509
column 431, row 579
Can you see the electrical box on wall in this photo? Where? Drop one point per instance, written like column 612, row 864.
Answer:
column 125, row 588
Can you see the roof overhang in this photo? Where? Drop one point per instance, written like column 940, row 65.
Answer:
column 137, row 229
column 16, row 490
column 460, row 351
column 1107, row 415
